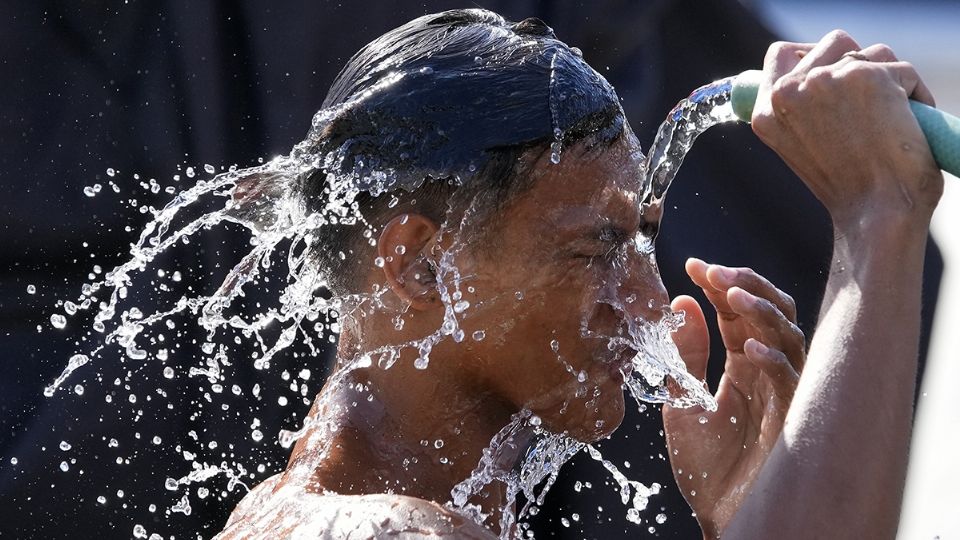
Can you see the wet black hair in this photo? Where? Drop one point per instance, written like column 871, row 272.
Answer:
column 446, row 103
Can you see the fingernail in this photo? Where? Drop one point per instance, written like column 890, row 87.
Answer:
column 758, row 347
column 728, row 274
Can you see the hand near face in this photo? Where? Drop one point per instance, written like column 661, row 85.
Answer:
column 716, row 456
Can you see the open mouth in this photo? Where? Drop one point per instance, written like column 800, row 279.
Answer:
column 620, row 364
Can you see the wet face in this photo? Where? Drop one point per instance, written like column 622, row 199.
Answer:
column 552, row 285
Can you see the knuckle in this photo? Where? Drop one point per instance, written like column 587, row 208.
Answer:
column 841, row 37
column 884, row 51
column 797, row 336
column 784, row 93
column 779, row 50
column 790, row 304
column 819, row 77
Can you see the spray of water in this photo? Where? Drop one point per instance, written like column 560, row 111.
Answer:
column 263, row 200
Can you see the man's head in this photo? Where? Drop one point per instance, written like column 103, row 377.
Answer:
column 498, row 185
column 455, row 102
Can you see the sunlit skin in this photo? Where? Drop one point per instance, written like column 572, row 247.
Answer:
column 575, row 246
column 815, row 455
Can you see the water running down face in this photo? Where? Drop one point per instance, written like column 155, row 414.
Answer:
column 549, row 286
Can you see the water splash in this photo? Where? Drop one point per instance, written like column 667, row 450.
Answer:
column 264, row 201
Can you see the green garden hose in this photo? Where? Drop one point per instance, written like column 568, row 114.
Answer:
column 941, row 129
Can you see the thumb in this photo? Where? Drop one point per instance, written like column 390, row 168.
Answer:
column 692, row 339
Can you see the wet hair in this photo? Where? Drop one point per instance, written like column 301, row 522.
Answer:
column 451, row 103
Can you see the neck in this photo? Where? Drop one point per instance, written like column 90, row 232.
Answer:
column 405, row 431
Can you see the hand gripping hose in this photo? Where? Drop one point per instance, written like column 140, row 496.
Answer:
column 942, row 130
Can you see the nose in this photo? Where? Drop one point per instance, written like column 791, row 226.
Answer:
column 640, row 289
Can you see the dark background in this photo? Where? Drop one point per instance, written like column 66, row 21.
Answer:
column 151, row 87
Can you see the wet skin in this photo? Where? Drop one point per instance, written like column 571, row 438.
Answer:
column 577, row 246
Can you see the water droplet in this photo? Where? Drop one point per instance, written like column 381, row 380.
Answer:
column 210, row 169
column 101, row 499
column 64, row 466
column 31, row 289
column 733, row 419
column 661, row 518
column 256, row 435
column 421, row 363
column 171, row 484
column 479, row 335
column 702, row 419
column 190, row 172
column 111, row 172
column 168, row 372
column 401, row 249
column 64, row 445
column 78, row 389
column 58, row 321
column 555, row 345
column 379, row 262
column 282, row 401
column 438, row 444
column 13, row 461
column 139, row 531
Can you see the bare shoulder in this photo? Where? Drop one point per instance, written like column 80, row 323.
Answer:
column 275, row 510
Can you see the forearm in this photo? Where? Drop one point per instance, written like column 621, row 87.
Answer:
column 839, row 466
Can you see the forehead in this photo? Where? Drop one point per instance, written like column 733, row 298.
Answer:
column 605, row 183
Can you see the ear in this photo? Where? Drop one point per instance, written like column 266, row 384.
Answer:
column 404, row 246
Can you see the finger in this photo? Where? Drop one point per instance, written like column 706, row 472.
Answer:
column 724, row 277
column 692, row 339
column 781, row 58
column 697, row 270
column 770, row 324
column 879, row 52
column 911, row 82
column 732, row 332
column 827, row 51
column 774, row 364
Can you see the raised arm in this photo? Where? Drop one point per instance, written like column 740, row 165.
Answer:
column 838, row 115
